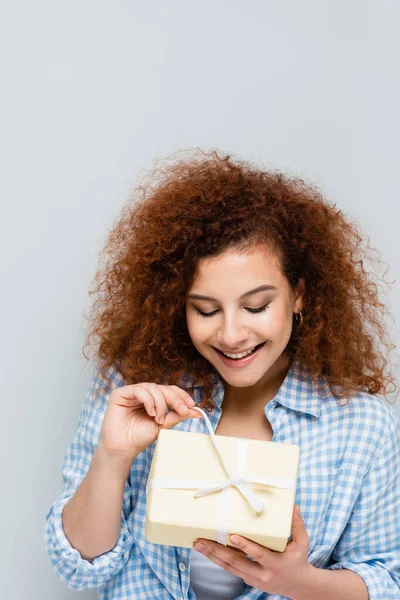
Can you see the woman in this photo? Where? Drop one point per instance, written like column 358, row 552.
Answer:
column 244, row 292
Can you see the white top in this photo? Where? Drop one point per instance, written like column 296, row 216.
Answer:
column 211, row 582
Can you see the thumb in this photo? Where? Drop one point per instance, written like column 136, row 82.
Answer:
column 172, row 418
column 299, row 532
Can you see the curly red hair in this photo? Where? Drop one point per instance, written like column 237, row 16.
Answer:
column 201, row 205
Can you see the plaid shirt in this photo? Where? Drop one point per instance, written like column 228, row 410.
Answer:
column 348, row 490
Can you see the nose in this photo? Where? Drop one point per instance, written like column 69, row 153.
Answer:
column 233, row 333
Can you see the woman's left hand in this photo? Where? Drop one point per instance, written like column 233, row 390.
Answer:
column 272, row 572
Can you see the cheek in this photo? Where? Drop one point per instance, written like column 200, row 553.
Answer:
column 277, row 321
column 197, row 330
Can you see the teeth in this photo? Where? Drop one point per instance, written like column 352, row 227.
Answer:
column 238, row 355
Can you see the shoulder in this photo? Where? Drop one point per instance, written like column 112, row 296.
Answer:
column 112, row 377
column 101, row 385
column 363, row 417
column 96, row 400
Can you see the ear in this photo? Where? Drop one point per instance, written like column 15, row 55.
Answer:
column 299, row 293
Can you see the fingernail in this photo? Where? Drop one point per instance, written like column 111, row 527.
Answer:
column 199, row 547
column 234, row 539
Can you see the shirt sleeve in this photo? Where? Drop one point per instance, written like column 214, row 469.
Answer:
column 72, row 569
column 370, row 543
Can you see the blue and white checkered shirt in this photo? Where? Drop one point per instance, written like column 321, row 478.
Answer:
column 348, row 490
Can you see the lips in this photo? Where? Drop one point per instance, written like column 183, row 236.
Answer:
column 239, row 363
column 255, row 349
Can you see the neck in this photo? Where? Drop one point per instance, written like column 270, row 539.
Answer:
column 257, row 396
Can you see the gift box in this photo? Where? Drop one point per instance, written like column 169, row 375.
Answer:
column 203, row 485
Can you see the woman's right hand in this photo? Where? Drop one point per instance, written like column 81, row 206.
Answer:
column 136, row 413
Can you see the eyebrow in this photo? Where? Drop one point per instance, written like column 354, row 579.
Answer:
column 261, row 288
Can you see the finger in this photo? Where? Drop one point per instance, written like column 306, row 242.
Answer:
column 259, row 553
column 134, row 395
column 299, row 532
column 190, row 402
column 230, row 567
column 175, row 400
column 179, row 410
column 232, row 560
column 187, row 398
column 159, row 401
column 172, row 418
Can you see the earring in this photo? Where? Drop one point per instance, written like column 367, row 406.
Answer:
column 299, row 317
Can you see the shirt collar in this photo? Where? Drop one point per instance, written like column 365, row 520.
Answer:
column 296, row 391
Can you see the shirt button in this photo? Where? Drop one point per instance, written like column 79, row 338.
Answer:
column 182, row 566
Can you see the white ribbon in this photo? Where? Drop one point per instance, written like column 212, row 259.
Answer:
column 239, row 481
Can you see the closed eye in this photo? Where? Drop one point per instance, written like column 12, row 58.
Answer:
column 252, row 310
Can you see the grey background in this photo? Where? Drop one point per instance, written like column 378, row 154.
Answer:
column 91, row 93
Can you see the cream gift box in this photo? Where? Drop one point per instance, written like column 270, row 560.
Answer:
column 210, row 486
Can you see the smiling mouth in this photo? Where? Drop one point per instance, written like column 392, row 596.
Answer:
column 252, row 352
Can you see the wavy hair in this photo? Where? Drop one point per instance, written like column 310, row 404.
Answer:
column 197, row 204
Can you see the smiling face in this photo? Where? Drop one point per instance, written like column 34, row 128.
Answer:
column 239, row 321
